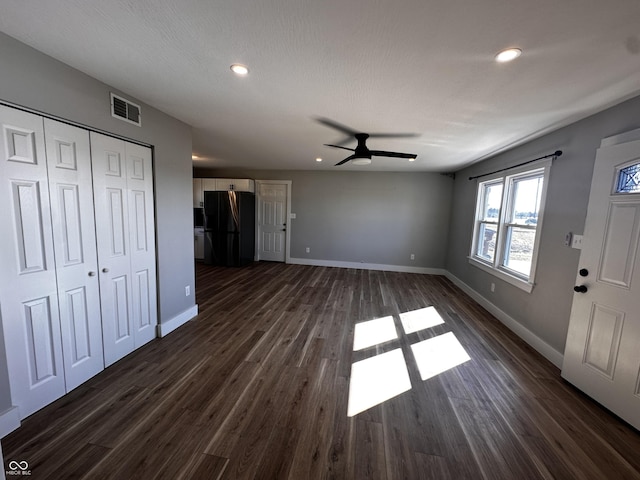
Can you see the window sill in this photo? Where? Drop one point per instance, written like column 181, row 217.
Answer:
column 515, row 281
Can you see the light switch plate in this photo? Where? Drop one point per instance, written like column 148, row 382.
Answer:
column 576, row 242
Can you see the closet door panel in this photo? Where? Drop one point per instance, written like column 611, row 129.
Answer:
column 142, row 241
column 72, row 212
column 111, row 201
column 29, row 312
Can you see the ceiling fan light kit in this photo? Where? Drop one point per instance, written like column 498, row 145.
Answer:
column 361, row 161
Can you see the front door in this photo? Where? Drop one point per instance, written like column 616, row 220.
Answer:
column 602, row 353
column 272, row 220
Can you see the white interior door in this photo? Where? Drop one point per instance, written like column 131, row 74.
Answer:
column 602, row 354
column 112, row 230
column 123, row 193
column 28, row 296
column 71, row 192
column 272, row 221
column 142, row 243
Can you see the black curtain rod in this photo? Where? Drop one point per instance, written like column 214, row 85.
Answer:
column 556, row 154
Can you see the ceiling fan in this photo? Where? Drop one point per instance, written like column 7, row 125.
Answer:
column 361, row 154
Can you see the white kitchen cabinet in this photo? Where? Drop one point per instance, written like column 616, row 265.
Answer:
column 237, row 184
column 221, row 185
column 198, row 243
column 208, row 185
column 198, row 197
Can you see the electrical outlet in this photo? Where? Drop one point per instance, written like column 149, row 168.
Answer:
column 187, row 290
column 307, row 250
column 413, row 257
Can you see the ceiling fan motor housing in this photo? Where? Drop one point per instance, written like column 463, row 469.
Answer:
column 361, row 150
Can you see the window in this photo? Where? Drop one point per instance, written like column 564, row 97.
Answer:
column 507, row 224
column 628, row 179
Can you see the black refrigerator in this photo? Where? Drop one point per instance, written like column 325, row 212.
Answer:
column 229, row 228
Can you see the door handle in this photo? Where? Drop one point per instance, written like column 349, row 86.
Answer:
column 105, row 270
column 580, row 289
column 92, row 274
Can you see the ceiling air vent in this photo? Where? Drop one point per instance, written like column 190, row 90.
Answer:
column 125, row 110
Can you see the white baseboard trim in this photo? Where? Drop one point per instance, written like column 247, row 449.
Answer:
column 9, row 421
column 166, row 328
column 542, row 347
column 366, row 266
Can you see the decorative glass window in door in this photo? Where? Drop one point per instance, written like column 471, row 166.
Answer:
column 629, row 179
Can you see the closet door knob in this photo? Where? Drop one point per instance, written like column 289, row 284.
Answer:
column 105, row 270
column 580, row 289
column 92, row 274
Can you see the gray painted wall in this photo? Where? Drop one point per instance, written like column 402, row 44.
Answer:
column 546, row 310
column 368, row 217
column 34, row 80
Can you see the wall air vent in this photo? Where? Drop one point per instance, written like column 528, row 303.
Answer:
column 125, row 110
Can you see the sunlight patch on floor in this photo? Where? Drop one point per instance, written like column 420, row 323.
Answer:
column 376, row 380
column 420, row 319
column 438, row 354
column 382, row 377
column 374, row 332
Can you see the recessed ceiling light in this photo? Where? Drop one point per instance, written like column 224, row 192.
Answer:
column 239, row 69
column 318, row 159
column 508, row 55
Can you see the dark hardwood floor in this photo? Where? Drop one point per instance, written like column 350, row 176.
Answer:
column 257, row 386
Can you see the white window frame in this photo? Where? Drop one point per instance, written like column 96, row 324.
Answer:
column 496, row 266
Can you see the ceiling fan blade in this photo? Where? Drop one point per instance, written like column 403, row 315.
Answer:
column 380, row 153
column 394, row 135
column 338, row 146
column 350, row 157
column 336, row 126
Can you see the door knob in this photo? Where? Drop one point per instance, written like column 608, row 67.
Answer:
column 105, row 270
column 580, row 289
column 92, row 274
column 583, row 272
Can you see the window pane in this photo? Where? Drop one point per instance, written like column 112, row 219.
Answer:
column 491, row 202
column 519, row 249
column 487, row 241
column 527, row 194
column 629, row 179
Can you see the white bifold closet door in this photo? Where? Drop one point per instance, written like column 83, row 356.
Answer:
column 74, row 241
column 77, row 254
column 49, row 291
column 123, row 193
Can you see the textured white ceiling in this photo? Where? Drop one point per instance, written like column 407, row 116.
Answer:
column 420, row 66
